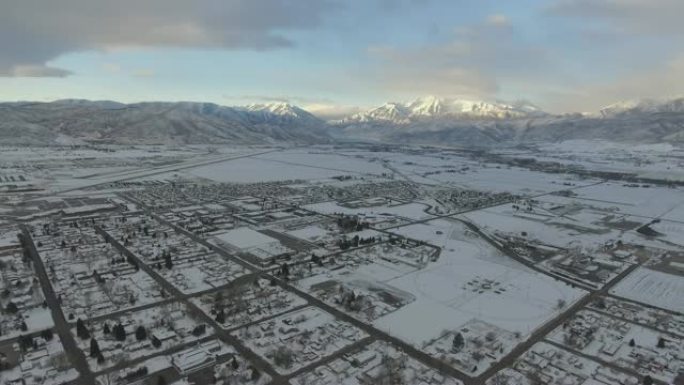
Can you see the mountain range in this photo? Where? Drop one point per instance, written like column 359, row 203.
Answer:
column 156, row 122
column 426, row 120
column 432, row 120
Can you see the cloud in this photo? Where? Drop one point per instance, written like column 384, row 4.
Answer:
column 113, row 68
column 626, row 49
column 331, row 111
column 278, row 99
column 662, row 81
column 36, row 71
column 498, row 20
column 660, row 17
column 471, row 63
column 143, row 73
column 34, row 32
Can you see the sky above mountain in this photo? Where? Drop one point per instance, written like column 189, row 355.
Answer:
column 334, row 56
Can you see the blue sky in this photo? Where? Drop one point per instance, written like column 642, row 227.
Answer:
column 335, row 56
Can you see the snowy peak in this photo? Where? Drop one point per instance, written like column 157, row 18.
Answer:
column 431, row 107
column 281, row 113
column 388, row 112
column 427, row 106
column 280, row 108
column 643, row 106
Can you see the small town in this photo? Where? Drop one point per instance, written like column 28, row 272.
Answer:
column 362, row 277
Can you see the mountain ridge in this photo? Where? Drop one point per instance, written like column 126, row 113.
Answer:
column 156, row 122
column 480, row 123
column 426, row 120
column 431, row 107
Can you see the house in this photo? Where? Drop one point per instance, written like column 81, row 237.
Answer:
column 192, row 360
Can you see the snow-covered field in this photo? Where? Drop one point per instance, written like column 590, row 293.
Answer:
column 325, row 159
column 654, row 288
column 558, row 221
column 471, row 280
column 287, row 165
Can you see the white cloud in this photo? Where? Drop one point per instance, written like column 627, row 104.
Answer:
column 498, row 20
column 37, row 71
column 470, row 64
column 331, row 111
column 143, row 73
column 662, row 81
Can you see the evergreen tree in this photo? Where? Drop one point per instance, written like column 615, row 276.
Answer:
column 199, row 330
column 119, row 332
column 94, row 348
column 12, row 308
column 106, row 329
column 140, row 333
column 81, row 330
column 220, row 317
column 458, row 343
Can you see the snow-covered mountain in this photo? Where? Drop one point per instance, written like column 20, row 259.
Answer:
column 434, row 108
column 466, row 122
column 644, row 106
column 157, row 122
column 281, row 113
column 426, row 120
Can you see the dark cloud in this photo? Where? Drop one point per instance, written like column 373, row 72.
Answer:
column 33, row 32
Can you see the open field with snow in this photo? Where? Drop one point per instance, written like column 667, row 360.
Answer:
column 471, row 280
column 653, row 288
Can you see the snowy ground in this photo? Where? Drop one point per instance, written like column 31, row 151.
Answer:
column 378, row 362
column 625, row 344
column 296, row 339
column 471, row 280
column 654, row 288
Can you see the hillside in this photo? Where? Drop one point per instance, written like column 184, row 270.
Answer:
column 157, row 122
